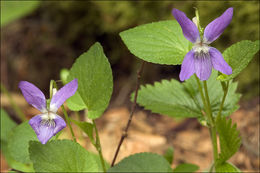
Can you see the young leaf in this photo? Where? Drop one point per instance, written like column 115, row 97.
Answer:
column 7, row 124
column 142, row 162
column 186, row 167
column 226, row 167
column 238, row 56
column 87, row 128
column 18, row 142
column 159, row 42
column 64, row 74
column 228, row 138
column 95, row 81
column 169, row 154
column 62, row 156
column 177, row 99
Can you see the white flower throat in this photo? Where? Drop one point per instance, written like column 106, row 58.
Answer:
column 48, row 119
column 201, row 49
column 48, row 115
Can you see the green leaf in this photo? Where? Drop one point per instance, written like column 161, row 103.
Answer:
column 238, row 57
column 226, row 167
column 87, row 128
column 11, row 10
column 215, row 92
column 95, row 81
column 229, row 139
column 177, row 99
column 18, row 142
column 75, row 103
column 62, row 156
column 159, row 42
column 169, row 154
column 186, row 167
column 142, row 162
column 97, row 159
column 168, row 98
column 7, row 124
column 12, row 162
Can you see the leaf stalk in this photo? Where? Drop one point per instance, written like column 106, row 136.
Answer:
column 98, row 147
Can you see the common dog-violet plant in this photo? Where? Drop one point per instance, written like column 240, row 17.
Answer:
column 48, row 123
column 207, row 92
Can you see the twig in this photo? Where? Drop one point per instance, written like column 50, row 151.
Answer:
column 124, row 135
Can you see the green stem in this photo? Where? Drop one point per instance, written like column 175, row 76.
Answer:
column 98, row 147
column 225, row 89
column 13, row 104
column 208, row 102
column 198, row 23
column 202, row 95
column 58, row 134
column 212, row 124
column 211, row 168
column 208, row 112
column 78, row 118
column 68, row 122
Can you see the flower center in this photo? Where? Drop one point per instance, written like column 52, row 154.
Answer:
column 48, row 119
column 201, row 49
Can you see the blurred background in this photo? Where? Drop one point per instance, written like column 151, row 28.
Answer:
column 38, row 39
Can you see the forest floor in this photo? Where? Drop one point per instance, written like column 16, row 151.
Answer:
column 155, row 133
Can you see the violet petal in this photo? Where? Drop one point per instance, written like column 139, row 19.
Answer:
column 60, row 124
column 189, row 29
column 35, row 123
column 63, row 94
column 187, row 67
column 203, row 66
column 217, row 26
column 33, row 95
column 218, row 61
column 45, row 131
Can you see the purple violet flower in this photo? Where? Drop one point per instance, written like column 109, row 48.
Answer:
column 201, row 58
column 48, row 123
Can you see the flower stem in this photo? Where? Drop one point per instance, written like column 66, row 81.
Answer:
column 207, row 108
column 202, row 95
column 98, row 147
column 213, row 130
column 18, row 111
column 198, row 23
column 208, row 102
column 225, row 89
column 52, row 85
column 68, row 122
